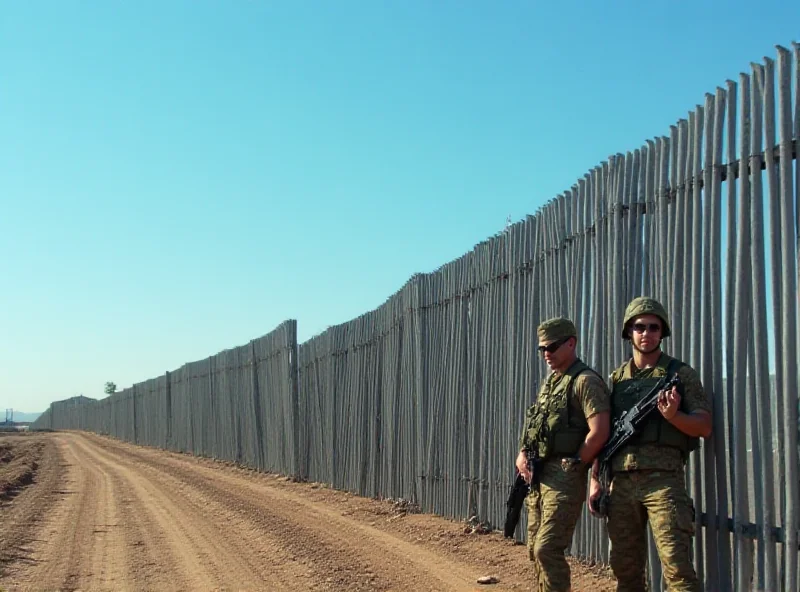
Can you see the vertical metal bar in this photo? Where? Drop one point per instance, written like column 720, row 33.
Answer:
column 632, row 258
column 618, row 262
column 692, row 337
column 775, row 258
column 664, row 288
column 741, row 337
column 760, row 336
column 598, row 302
column 678, row 240
column 677, row 143
column 705, row 456
column 635, row 223
column 788, row 350
column 796, row 52
column 650, row 253
column 718, row 555
column 721, row 401
column 731, row 257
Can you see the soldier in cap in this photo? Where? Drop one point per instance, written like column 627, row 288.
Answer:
column 648, row 474
column 565, row 429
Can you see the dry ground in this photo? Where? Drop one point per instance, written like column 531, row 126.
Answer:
column 83, row 512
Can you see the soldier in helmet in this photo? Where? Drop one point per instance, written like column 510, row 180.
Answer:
column 564, row 430
column 648, row 474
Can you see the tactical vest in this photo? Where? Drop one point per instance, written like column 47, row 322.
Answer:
column 655, row 430
column 550, row 429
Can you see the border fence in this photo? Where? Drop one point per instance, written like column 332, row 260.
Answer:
column 424, row 397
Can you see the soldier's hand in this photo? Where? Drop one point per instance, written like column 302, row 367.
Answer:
column 669, row 402
column 522, row 466
column 594, row 493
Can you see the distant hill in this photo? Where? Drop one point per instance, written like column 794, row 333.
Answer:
column 21, row 416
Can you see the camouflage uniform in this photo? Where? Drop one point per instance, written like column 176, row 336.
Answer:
column 649, row 484
column 554, row 503
column 554, row 506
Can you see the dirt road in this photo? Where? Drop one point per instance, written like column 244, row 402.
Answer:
column 98, row 514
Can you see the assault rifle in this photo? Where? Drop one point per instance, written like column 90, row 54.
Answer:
column 622, row 431
column 517, row 494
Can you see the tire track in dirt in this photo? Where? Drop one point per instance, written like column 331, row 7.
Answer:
column 126, row 536
column 105, row 569
column 200, row 559
column 67, row 531
column 365, row 558
column 22, row 520
column 209, row 547
column 108, row 515
column 83, row 541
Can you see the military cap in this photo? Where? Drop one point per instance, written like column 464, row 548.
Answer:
column 557, row 328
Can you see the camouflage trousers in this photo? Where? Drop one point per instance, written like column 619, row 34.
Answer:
column 554, row 507
column 661, row 498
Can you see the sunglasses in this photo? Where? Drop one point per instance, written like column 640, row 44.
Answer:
column 551, row 347
column 642, row 327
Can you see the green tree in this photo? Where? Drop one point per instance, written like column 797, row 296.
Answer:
column 110, row 388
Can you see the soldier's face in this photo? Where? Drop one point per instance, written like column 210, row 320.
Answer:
column 645, row 332
column 558, row 353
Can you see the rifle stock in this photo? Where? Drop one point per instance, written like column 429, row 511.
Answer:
column 518, row 493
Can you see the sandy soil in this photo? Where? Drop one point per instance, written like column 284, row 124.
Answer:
column 84, row 512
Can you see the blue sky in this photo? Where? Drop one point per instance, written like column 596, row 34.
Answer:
column 179, row 177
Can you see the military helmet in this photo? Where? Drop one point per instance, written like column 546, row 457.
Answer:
column 641, row 306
